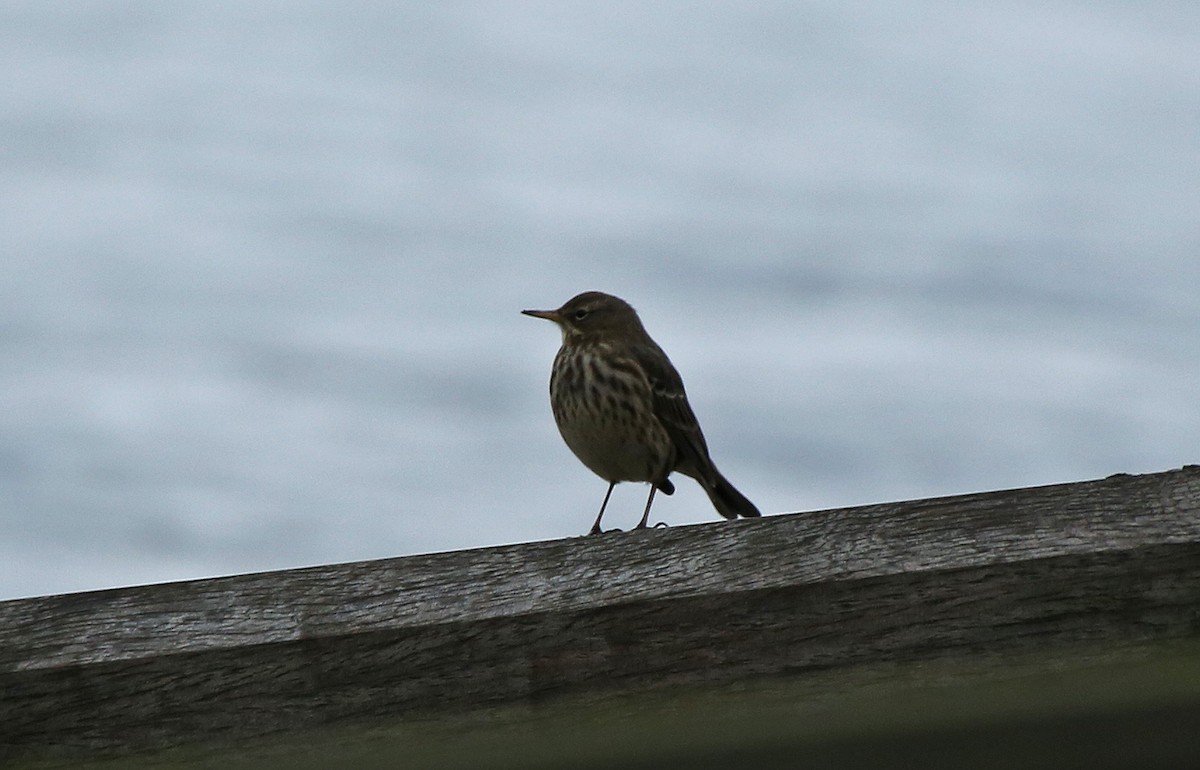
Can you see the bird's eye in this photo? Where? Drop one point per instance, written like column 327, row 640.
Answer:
column 581, row 314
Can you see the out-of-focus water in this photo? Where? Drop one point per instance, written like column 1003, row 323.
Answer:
column 261, row 263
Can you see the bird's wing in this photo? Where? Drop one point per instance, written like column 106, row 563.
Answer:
column 671, row 407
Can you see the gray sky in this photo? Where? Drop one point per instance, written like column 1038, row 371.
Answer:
column 263, row 264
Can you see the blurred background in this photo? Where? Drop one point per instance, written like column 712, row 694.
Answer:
column 262, row 262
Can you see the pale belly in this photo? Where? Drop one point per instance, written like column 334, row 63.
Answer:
column 615, row 451
column 607, row 419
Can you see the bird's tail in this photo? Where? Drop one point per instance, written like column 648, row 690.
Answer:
column 729, row 502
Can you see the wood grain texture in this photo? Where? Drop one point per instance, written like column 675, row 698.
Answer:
column 1110, row 560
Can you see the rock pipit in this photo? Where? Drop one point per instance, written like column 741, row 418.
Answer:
column 621, row 407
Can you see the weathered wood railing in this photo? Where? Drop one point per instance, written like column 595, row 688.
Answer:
column 278, row 653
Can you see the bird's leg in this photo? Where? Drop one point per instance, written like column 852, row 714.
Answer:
column 596, row 527
column 646, row 513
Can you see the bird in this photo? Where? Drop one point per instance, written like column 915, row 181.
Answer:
column 621, row 407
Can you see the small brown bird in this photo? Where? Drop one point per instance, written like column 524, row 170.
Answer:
column 621, row 407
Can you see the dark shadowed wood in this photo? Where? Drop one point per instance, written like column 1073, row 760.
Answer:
column 1111, row 560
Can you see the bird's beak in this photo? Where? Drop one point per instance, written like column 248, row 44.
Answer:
column 549, row 315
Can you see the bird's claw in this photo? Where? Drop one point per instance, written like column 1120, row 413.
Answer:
column 661, row 525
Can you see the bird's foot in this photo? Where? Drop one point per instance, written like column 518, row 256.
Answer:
column 661, row 525
column 598, row 531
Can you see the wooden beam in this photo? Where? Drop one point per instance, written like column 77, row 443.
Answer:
column 1114, row 560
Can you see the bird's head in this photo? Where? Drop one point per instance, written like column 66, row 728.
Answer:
column 593, row 315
